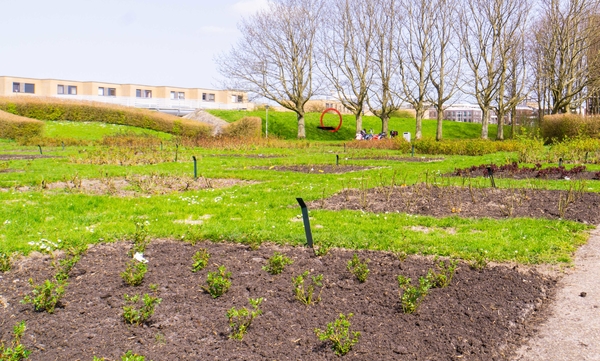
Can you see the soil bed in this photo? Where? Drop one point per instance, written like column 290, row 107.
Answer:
column 322, row 168
column 135, row 185
column 482, row 315
column 247, row 155
column 4, row 157
column 403, row 159
column 464, row 202
column 514, row 171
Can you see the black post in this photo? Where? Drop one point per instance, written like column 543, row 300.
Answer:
column 40, row 147
column 63, row 145
column 586, row 155
column 337, row 159
column 560, row 162
column 344, row 147
column 309, row 240
column 195, row 167
column 176, row 150
column 491, row 175
column 412, row 152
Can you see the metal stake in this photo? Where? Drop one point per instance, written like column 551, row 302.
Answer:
column 309, row 239
column 39, row 146
column 176, row 150
column 195, row 167
column 412, row 152
column 337, row 159
column 491, row 174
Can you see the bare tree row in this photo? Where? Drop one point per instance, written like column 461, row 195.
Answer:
column 377, row 55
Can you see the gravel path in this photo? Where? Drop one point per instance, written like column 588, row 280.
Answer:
column 573, row 330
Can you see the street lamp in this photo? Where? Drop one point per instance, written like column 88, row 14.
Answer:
column 267, row 122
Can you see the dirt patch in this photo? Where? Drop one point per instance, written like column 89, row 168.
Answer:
column 514, row 171
column 135, row 185
column 265, row 156
column 469, row 202
column 24, row 156
column 403, row 159
column 319, row 169
column 480, row 316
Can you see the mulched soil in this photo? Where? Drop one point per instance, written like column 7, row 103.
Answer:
column 319, row 169
column 515, row 172
column 247, row 155
column 482, row 315
column 135, row 185
column 464, row 202
column 403, row 159
column 4, row 157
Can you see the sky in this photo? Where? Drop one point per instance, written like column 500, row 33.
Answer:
column 146, row 42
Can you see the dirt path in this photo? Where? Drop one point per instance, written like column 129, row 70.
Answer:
column 573, row 330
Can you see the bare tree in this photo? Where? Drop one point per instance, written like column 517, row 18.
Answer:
column 416, row 25
column 345, row 52
column 381, row 98
column 488, row 26
column 275, row 57
column 445, row 59
column 563, row 58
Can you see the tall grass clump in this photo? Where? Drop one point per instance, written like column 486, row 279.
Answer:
column 79, row 111
column 247, row 127
column 17, row 127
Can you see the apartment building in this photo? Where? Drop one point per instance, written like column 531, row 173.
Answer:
column 164, row 98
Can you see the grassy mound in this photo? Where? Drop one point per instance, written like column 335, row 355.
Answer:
column 57, row 109
column 14, row 126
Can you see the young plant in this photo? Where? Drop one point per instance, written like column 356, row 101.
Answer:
column 338, row 332
column 358, row 268
column 240, row 319
column 306, row 294
column 444, row 277
column 200, row 259
column 412, row 296
column 64, row 266
column 480, row 260
column 5, row 262
column 45, row 297
column 218, row 282
column 137, row 316
column 277, row 263
column 17, row 351
column 140, row 238
column 134, row 272
column 130, row 356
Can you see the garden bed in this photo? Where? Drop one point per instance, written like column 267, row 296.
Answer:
column 480, row 315
column 496, row 203
column 403, row 159
column 513, row 170
column 321, row 168
column 4, row 157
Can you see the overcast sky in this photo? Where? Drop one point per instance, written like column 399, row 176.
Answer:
column 149, row 42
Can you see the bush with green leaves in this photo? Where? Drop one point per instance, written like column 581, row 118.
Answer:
column 304, row 288
column 442, row 278
column 45, row 297
column 200, row 259
column 338, row 333
column 412, row 296
column 65, row 265
column 130, row 356
column 16, row 351
column 277, row 263
column 134, row 272
column 218, row 282
column 134, row 315
column 241, row 319
column 140, row 238
column 5, row 262
column 358, row 268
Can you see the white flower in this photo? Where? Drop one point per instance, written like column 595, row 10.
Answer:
column 7, row 222
column 140, row 257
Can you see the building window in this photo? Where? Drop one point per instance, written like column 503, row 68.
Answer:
column 142, row 93
column 172, row 95
column 112, row 92
column 147, row 93
column 72, row 89
column 138, row 93
column 181, row 95
column 24, row 88
column 208, row 97
column 101, row 91
column 60, row 89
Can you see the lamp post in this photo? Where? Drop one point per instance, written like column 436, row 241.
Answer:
column 267, row 122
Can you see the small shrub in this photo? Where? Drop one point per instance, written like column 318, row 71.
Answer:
column 17, row 351
column 412, row 296
column 200, row 259
column 445, row 275
column 305, row 293
column 5, row 262
column 247, row 127
column 45, row 297
column 17, row 127
column 64, row 266
column 136, row 316
column 480, row 260
column 358, row 268
column 240, row 319
column 140, row 238
column 134, row 272
column 218, row 282
column 321, row 250
column 277, row 263
column 338, row 333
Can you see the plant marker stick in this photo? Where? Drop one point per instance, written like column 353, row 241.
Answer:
column 176, row 149
column 337, row 159
column 39, row 146
column 195, row 168
column 309, row 240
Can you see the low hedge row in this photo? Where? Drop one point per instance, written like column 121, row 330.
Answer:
column 557, row 127
column 57, row 109
column 17, row 127
column 247, row 127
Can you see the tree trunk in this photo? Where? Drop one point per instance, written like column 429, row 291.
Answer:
column 301, row 127
column 500, row 133
column 485, row 119
column 385, row 119
column 440, row 119
column 358, row 122
column 419, row 124
column 513, row 121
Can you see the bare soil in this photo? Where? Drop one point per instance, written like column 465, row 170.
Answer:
column 4, row 157
column 403, row 159
column 482, row 315
column 134, row 185
column 469, row 202
column 319, row 168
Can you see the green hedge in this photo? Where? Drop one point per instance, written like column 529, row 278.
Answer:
column 555, row 128
column 247, row 127
column 15, row 127
column 57, row 109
